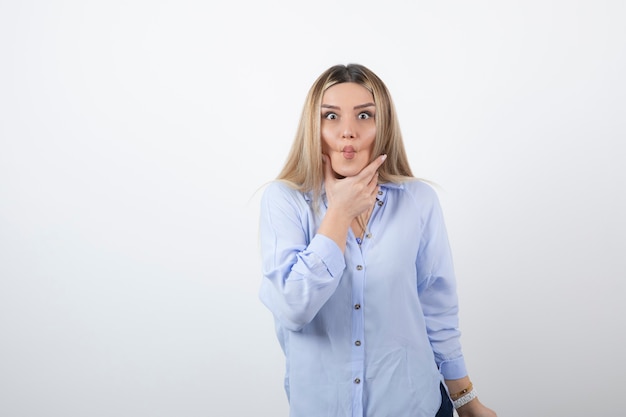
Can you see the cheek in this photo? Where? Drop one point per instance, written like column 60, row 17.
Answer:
column 326, row 144
column 372, row 138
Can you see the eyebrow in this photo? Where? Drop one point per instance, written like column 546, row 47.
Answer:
column 360, row 106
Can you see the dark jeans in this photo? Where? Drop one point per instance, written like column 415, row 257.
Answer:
column 446, row 408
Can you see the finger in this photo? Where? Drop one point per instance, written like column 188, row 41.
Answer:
column 369, row 170
column 374, row 180
column 373, row 187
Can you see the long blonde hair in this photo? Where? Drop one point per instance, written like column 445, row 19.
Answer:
column 303, row 169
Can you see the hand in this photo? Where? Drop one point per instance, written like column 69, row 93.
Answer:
column 475, row 408
column 352, row 195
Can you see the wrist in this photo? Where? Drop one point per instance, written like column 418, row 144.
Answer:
column 472, row 408
column 465, row 399
column 338, row 217
column 335, row 226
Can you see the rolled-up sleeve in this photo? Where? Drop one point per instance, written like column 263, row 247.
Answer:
column 300, row 272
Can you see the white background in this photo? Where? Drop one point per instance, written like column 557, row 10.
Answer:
column 134, row 136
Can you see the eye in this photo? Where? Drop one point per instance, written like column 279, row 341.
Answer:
column 330, row 116
column 364, row 115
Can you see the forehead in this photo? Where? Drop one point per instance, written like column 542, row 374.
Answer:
column 347, row 94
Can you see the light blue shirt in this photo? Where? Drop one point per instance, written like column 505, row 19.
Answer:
column 370, row 332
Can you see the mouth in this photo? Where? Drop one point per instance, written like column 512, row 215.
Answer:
column 348, row 152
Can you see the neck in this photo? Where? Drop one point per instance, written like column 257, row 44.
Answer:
column 362, row 220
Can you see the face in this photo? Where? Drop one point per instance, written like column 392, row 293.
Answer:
column 348, row 127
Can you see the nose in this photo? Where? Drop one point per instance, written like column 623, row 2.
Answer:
column 347, row 130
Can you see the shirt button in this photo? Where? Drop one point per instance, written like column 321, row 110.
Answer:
column 369, row 235
column 380, row 192
column 358, row 343
column 359, row 267
column 357, row 380
column 380, row 203
column 357, row 306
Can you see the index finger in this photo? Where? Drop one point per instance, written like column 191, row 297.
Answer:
column 370, row 170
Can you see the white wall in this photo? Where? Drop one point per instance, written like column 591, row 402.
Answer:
column 134, row 135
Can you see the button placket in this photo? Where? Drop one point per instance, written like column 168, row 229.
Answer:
column 358, row 273
column 357, row 332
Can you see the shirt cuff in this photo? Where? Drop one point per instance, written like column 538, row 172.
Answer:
column 453, row 369
column 329, row 253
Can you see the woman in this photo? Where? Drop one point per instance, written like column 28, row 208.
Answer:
column 357, row 268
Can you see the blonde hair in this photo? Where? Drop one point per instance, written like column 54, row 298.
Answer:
column 303, row 169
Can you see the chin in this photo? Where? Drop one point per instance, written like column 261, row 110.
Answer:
column 347, row 171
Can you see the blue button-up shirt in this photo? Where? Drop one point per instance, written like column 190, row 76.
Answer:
column 372, row 331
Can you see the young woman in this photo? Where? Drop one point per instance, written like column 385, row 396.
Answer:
column 357, row 268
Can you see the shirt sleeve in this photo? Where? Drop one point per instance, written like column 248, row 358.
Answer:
column 299, row 273
column 437, row 290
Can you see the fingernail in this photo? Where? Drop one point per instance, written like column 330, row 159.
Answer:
column 384, row 156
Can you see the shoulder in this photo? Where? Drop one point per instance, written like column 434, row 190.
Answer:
column 280, row 192
column 422, row 193
column 278, row 187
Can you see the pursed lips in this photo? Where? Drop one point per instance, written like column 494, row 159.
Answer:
column 348, row 152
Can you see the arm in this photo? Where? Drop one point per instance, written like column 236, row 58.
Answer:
column 436, row 286
column 300, row 276
column 437, row 290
